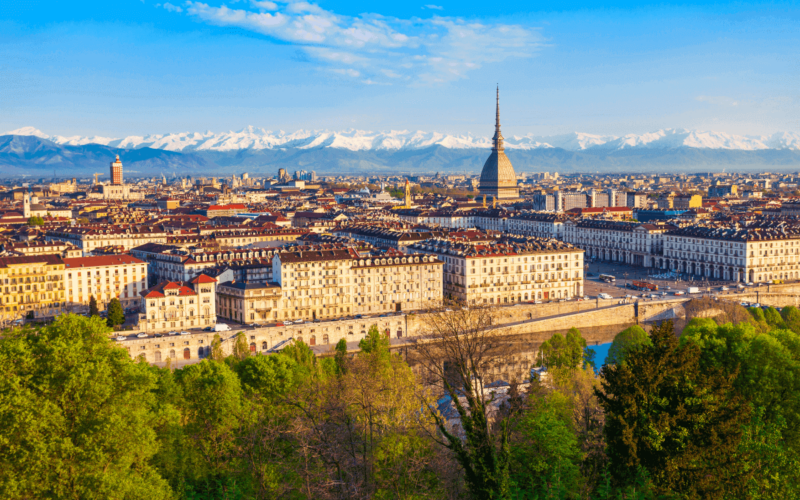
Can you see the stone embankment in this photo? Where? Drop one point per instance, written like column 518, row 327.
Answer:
column 519, row 319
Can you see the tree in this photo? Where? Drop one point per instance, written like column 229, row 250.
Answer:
column 545, row 451
column 374, row 342
column 240, row 348
column 213, row 409
column 116, row 315
column 627, row 340
column 774, row 318
column 559, row 351
column 35, row 220
column 93, row 311
column 674, row 418
column 361, row 434
column 457, row 350
column 216, row 348
column 791, row 317
column 341, row 357
column 77, row 415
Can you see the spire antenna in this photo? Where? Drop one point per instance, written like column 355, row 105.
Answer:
column 498, row 137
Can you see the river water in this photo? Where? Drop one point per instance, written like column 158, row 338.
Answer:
column 523, row 350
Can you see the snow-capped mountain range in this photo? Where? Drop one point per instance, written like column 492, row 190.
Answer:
column 252, row 138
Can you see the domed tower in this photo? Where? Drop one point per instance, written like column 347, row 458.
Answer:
column 498, row 179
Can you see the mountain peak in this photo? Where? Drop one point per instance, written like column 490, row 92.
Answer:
column 28, row 131
column 256, row 138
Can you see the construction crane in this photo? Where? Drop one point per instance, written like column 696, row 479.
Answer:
column 95, row 177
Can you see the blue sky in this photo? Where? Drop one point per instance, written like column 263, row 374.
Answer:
column 132, row 67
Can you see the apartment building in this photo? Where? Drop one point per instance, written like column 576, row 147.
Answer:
column 175, row 305
column 626, row 242
column 511, row 270
column 248, row 302
column 168, row 263
column 324, row 284
column 90, row 238
column 538, row 224
column 386, row 237
column 32, row 286
column 756, row 252
column 38, row 247
column 104, row 277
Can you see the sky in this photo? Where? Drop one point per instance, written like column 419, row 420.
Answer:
column 137, row 67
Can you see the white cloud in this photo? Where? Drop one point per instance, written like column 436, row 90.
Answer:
column 172, row 8
column 434, row 7
column 382, row 49
column 264, row 5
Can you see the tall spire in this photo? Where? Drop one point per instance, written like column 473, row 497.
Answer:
column 498, row 137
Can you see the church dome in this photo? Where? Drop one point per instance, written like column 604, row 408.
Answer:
column 498, row 171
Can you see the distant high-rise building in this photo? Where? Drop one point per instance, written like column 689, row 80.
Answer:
column 116, row 172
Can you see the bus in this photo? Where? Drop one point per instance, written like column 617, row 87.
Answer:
column 644, row 286
column 607, row 278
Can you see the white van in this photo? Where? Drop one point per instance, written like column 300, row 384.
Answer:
column 221, row 327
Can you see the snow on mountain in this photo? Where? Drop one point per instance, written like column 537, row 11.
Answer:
column 360, row 140
column 28, row 131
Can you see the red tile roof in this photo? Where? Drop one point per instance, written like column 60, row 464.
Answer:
column 204, row 279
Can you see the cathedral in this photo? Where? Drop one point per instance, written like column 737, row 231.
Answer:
column 498, row 180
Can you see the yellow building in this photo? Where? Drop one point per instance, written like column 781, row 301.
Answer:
column 104, row 277
column 31, row 285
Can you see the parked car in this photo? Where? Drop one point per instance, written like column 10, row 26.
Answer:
column 358, row 316
column 208, row 329
column 158, row 335
column 184, row 333
column 121, row 337
column 173, row 333
column 142, row 335
column 299, row 321
column 680, row 293
column 280, row 323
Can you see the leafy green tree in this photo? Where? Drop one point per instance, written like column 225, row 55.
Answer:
column 216, row 348
column 35, row 220
column 241, row 350
column 679, row 421
column 116, row 315
column 213, row 409
column 267, row 376
column 774, row 318
column 93, row 310
column 563, row 351
column 791, row 317
column 627, row 340
column 341, row 357
column 544, row 449
column 766, row 367
column 77, row 415
column 374, row 342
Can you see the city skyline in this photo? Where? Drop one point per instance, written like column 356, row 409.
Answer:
column 141, row 68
